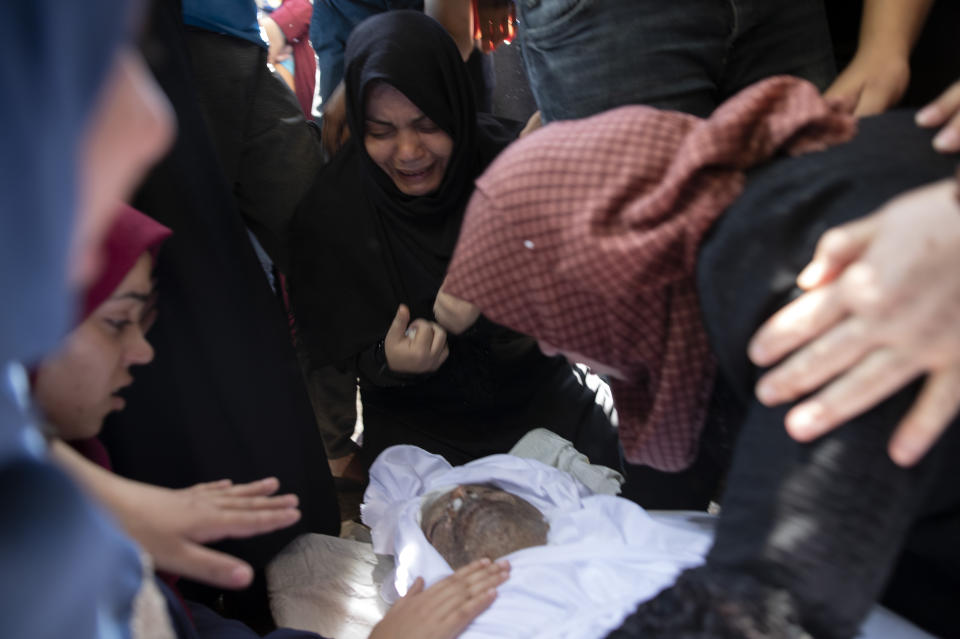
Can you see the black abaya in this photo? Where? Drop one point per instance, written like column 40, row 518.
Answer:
column 224, row 397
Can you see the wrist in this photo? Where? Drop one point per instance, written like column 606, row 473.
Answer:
column 380, row 357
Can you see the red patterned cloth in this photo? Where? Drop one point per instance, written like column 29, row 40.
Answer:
column 293, row 18
column 585, row 236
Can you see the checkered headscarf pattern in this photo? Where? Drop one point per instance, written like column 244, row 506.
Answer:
column 585, row 236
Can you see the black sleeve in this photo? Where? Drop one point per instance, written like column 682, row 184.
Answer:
column 372, row 367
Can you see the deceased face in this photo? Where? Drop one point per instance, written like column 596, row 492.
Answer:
column 473, row 521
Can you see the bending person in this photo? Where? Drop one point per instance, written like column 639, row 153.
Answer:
column 369, row 248
column 825, row 521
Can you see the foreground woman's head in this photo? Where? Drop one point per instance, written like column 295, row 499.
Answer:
column 74, row 144
column 474, row 521
column 78, row 385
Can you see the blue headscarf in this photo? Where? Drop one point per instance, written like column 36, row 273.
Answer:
column 55, row 57
column 65, row 570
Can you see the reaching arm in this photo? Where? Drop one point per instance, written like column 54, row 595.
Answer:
column 456, row 16
column 879, row 73
column 171, row 524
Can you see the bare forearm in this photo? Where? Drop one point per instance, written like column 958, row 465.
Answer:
column 893, row 25
column 96, row 481
column 456, row 17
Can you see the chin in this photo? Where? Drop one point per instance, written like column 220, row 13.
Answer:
column 420, row 190
column 86, row 430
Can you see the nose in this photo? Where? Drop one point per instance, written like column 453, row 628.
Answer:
column 139, row 350
column 409, row 147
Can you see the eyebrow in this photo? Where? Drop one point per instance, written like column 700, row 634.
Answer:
column 381, row 122
column 132, row 295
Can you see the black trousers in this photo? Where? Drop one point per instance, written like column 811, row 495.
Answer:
column 834, row 520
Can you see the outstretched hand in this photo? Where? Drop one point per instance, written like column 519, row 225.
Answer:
column 445, row 609
column 881, row 309
column 172, row 525
column 414, row 347
column 871, row 83
column 945, row 112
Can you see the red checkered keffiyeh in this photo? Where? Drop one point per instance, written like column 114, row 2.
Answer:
column 585, row 235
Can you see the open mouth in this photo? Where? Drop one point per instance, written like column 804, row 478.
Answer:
column 415, row 175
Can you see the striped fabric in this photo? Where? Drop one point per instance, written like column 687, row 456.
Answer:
column 585, row 236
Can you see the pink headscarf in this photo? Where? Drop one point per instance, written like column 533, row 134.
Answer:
column 131, row 235
column 585, row 235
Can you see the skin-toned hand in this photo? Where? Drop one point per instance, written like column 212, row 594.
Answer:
column 871, row 83
column 944, row 111
column 277, row 41
column 879, row 73
column 456, row 16
column 414, row 347
column 172, row 524
column 881, row 309
column 335, row 132
column 454, row 314
column 445, row 609
column 534, row 123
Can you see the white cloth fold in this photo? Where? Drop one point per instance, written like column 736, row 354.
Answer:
column 553, row 450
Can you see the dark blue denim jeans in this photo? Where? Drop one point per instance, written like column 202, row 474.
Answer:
column 587, row 56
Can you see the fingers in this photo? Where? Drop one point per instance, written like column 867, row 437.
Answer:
column 795, row 324
column 473, row 581
column 421, row 334
column 844, row 93
column 866, row 384
column 944, row 110
column 416, row 588
column 224, row 523
column 933, row 411
column 260, row 487
column 534, row 123
column 818, row 362
column 431, row 340
column 940, row 110
column 209, row 566
column 399, row 325
column 439, row 342
column 211, row 486
column 264, row 502
column 876, row 99
column 948, row 140
column 836, row 249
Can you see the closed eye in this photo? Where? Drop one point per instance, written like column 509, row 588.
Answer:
column 118, row 324
column 379, row 130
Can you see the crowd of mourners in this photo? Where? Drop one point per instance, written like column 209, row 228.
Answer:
column 743, row 215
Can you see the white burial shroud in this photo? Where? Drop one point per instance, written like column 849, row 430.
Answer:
column 604, row 554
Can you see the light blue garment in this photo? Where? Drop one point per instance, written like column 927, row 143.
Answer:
column 332, row 22
column 232, row 17
column 65, row 570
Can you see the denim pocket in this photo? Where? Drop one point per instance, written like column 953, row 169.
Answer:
column 541, row 17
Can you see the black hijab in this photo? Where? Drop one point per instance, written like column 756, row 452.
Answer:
column 359, row 246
